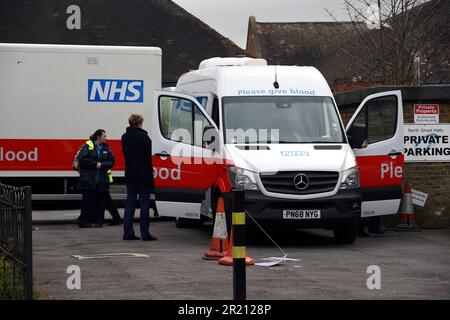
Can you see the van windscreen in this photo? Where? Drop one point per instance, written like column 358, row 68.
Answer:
column 287, row 119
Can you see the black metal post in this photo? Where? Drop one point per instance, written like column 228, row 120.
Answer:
column 239, row 249
column 28, row 244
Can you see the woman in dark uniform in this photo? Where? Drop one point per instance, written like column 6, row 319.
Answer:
column 95, row 159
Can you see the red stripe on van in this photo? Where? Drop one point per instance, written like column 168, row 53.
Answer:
column 377, row 171
column 46, row 154
column 57, row 155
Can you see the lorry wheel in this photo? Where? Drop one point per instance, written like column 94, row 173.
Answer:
column 184, row 223
column 346, row 232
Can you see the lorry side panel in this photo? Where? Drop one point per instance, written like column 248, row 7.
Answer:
column 53, row 97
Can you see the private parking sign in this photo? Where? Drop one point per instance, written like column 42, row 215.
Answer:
column 426, row 113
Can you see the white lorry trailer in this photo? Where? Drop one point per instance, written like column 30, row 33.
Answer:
column 52, row 97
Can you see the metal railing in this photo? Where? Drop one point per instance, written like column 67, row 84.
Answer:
column 16, row 257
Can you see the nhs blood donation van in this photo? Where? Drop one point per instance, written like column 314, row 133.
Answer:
column 280, row 130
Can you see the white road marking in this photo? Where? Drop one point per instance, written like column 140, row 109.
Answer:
column 110, row 255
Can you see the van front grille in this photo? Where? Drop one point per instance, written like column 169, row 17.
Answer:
column 300, row 182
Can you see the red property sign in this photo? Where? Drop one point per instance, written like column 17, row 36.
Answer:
column 426, row 113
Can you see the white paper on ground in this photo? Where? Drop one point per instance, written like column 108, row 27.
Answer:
column 270, row 263
column 273, row 261
column 284, row 258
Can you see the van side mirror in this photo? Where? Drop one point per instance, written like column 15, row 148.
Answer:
column 357, row 136
column 209, row 135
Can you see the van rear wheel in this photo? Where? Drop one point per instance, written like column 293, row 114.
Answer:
column 346, row 232
column 183, row 223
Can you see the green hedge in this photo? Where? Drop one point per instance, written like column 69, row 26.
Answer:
column 9, row 291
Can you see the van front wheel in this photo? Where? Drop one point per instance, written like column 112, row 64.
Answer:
column 346, row 232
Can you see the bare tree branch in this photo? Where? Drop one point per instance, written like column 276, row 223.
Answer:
column 402, row 35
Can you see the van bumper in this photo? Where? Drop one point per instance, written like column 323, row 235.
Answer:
column 344, row 205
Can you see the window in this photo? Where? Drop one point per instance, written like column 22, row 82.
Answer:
column 379, row 117
column 175, row 119
column 179, row 123
column 382, row 115
column 200, row 122
column 215, row 112
column 202, row 100
column 286, row 119
column 360, row 120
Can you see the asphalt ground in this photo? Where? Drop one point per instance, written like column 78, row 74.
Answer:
column 413, row 265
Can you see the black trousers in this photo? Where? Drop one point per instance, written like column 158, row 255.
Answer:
column 93, row 207
column 111, row 207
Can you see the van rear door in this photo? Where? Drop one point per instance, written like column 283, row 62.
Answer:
column 375, row 133
column 182, row 175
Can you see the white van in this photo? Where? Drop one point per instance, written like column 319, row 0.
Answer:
column 301, row 168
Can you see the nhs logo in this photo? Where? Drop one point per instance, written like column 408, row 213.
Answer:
column 106, row 90
column 294, row 153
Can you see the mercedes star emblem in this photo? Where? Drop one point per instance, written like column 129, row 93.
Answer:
column 301, row 181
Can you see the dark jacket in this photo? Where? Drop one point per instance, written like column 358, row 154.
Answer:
column 90, row 176
column 137, row 151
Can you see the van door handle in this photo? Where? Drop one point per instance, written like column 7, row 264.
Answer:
column 394, row 153
column 163, row 154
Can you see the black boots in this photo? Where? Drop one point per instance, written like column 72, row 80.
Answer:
column 115, row 222
column 149, row 238
column 133, row 237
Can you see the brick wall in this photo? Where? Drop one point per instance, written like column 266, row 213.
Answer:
column 429, row 177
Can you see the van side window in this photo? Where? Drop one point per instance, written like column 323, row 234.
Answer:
column 200, row 121
column 202, row 100
column 382, row 115
column 379, row 117
column 175, row 119
column 215, row 112
column 361, row 118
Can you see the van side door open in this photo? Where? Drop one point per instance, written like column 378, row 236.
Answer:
column 375, row 133
column 181, row 175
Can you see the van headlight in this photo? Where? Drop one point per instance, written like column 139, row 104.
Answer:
column 242, row 179
column 350, row 178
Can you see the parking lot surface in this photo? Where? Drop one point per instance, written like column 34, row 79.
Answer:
column 413, row 265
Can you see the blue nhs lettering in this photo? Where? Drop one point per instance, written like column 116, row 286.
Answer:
column 105, row 90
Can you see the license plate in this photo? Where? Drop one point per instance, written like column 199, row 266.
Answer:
column 301, row 214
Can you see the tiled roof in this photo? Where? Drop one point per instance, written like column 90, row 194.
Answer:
column 299, row 43
column 317, row 44
column 184, row 39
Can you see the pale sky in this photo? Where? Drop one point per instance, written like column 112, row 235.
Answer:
column 230, row 17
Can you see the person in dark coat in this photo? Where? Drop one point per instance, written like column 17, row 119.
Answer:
column 95, row 159
column 109, row 202
column 137, row 151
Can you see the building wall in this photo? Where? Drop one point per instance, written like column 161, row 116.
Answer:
column 429, row 177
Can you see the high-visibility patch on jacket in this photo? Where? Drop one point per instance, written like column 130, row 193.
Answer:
column 110, row 178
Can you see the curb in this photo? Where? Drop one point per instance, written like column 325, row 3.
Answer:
column 72, row 222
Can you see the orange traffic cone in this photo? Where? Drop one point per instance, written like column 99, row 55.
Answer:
column 219, row 242
column 407, row 216
column 228, row 259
